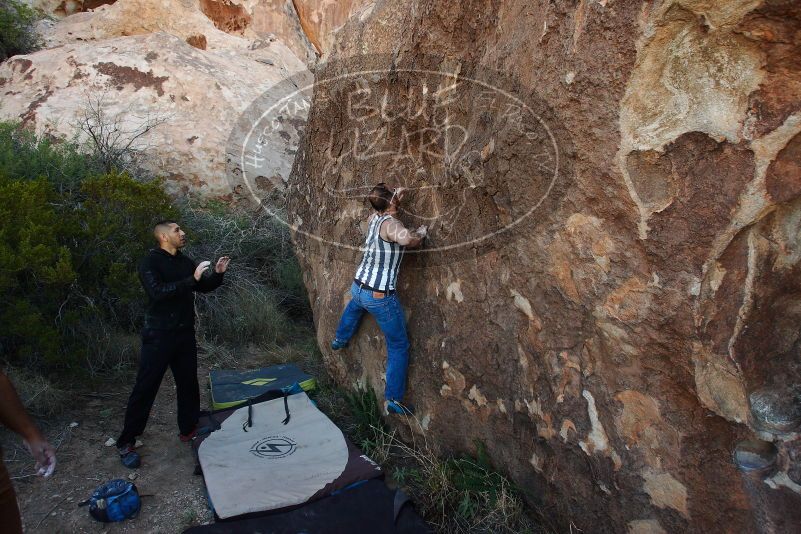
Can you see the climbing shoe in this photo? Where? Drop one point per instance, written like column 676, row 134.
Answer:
column 397, row 407
column 129, row 457
column 337, row 344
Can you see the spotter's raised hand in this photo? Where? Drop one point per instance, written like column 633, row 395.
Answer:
column 222, row 264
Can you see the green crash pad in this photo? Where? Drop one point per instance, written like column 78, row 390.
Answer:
column 229, row 388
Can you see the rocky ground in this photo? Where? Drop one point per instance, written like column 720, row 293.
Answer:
column 173, row 498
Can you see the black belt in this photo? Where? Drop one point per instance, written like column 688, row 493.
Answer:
column 362, row 285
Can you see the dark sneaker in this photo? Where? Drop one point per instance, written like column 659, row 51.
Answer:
column 129, row 457
column 337, row 344
column 397, row 407
column 188, row 437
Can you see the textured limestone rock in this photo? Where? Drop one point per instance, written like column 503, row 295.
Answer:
column 199, row 94
column 306, row 27
column 321, row 18
column 604, row 349
column 63, row 8
column 181, row 18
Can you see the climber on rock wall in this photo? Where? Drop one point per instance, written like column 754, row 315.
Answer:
column 374, row 289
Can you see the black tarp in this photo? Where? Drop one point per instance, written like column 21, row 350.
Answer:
column 368, row 508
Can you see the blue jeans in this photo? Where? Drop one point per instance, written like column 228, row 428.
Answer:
column 389, row 316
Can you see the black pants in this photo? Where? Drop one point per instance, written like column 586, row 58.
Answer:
column 161, row 349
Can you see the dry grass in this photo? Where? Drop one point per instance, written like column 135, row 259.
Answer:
column 459, row 494
column 109, row 351
column 262, row 302
column 39, row 395
column 216, row 356
column 247, row 313
column 454, row 494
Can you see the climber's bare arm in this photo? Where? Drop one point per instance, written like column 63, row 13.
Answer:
column 393, row 230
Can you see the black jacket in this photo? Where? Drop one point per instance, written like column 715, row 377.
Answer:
column 169, row 283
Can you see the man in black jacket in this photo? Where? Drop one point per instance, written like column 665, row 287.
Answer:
column 168, row 336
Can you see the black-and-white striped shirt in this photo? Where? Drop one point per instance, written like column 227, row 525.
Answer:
column 381, row 260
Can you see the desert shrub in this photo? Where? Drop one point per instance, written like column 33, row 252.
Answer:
column 24, row 157
column 288, row 279
column 460, row 494
column 17, row 32
column 256, row 304
column 37, row 268
column 41, row 396
column 253, row 242
column 112, row 228
column 116, row 141
column 73, row 234
column 105, row 349
column 242, row 314
column 455, row 494
column 69, row 240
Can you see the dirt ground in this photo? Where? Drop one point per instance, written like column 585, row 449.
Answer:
column 173, row 498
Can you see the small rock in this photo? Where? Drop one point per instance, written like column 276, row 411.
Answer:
column 73, row 424
column 133, row 476
column 110, row 442
column 793, row 449
column 756, row 456
column 138, row 443
column 776, row 409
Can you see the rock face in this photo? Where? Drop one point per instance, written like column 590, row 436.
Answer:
column 306, row 27
column 181, row 18
column 198, row 65
column 63, row 8
column 321, row 18
column 153, row 61
column 622, row 274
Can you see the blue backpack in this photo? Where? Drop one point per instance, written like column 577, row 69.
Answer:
column 114, row 501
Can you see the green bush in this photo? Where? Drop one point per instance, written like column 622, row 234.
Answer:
column 37, row 269
column 69, row 242
column 39, row 395
column 17, row 33
column 113, row 227
column 71, row 236
column 289, row 279
column 24, row 157
column 366, row 413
